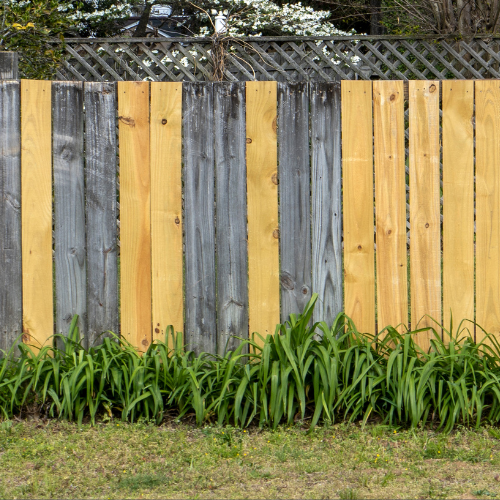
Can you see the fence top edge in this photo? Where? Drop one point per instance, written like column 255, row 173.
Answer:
column 274, row 39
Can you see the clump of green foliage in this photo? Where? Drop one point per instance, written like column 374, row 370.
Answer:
column 305, row 372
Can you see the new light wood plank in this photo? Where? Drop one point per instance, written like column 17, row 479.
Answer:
column 101, row 209
column 327, row 273
column 262, row 192
column 425, row 242
column 36, row 210
column 390, row 204
column 166, row 208
column 487, row 207
column 294, row 196
column 458, row 201
column 135, row 213
column 231, row 226
column 357, row 155
column 69, row 206
column 199, row 220
column 10, row 216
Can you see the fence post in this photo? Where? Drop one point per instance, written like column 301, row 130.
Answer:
column 9, row 62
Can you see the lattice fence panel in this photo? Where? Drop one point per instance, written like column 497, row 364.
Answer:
column 283, row 59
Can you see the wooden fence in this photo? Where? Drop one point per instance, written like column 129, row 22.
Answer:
column 230, row 200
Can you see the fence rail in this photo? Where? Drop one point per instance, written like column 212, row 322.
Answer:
column 287, row 59
column 236, row 201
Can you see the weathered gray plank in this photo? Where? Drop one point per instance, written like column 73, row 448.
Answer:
column 10, row 215
column 294, row 196
column 101, row 208
column 199, row 224
column 9, row 62
column 231, row 188
column 326, row 200
column 69, row 210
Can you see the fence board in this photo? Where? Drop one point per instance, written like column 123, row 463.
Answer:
column 294, row 189
column 166, row 208
column 262, row 192
column 10, row 215
column 390, row 203
column 36, row 211
column 100, row 186
column 425, row 251
column 487, row 207
column 200, row 328
column 69, row 205
column 231, row 188
column 458, row 201
column 326, row 200
column 135, row 212
column 357, row 153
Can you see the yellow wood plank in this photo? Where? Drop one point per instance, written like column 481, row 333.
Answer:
column 135, row 213
column 458, row 201
column 36, row 211
column 166, row 207
column 425, row 243
column 390, row 204
column 262, row 196
column 357, row 171
column 487, row 94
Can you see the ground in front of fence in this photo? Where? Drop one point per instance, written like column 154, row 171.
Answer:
column 116, row 460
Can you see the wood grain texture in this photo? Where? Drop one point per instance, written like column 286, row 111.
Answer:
column 10, row 216
column 294, row 196
column 357, row 154
column 458, row 201
column 231, row 230
column 262, row 193
column 166, row 208
column 425, row 251
column 69, row 205
column 390, row 204
column 326, row 188
column 135, row 213
column 487, row 207
column 36, row 210
column 101, row 193
column 199, row 223
column 9, row 65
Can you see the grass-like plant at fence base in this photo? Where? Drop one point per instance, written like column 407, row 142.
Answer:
column 315, row 373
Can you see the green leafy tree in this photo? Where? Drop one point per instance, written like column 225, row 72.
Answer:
column 28, row 26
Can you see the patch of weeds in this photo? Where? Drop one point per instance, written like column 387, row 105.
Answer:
column 143, row 481
column 348, row 494
column 484, row 492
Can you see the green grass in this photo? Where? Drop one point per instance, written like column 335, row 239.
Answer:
column 293, row 376
column 50, row 459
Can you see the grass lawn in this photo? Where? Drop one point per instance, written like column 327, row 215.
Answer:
column 116, row 460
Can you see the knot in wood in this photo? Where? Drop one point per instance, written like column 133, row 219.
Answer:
column 276, row 233
column 26, row 338
column 177, row 220
column 157, row 330
column 145, row 342
column 127, row 120
column 432, row 88
column 274, row 178
column 393, row 97
column 427, row 224
column 249, row 141
column 287, row 281
column 164, row 121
